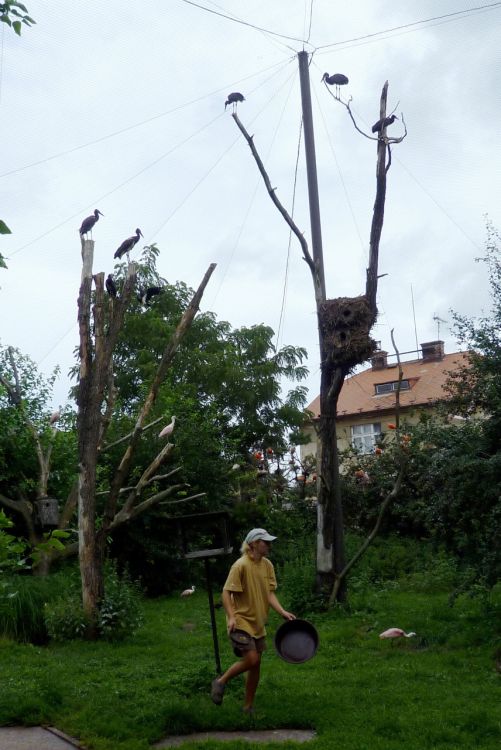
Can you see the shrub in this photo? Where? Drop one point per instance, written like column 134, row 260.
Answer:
column 120, row 613
column 65, row 619
column 22, row 602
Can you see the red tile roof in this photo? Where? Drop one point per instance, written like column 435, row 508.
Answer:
column 426, row 379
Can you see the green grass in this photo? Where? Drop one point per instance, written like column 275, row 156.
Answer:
column 438, row 691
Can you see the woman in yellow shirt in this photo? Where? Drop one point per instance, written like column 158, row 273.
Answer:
column 248, row 594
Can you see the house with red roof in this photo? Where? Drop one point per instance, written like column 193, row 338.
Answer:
column 366, row 404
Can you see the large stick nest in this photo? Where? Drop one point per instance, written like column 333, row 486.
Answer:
column 345, row 324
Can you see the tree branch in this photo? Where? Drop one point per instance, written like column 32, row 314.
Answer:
column 129, row 434
column 167, row 357
column 272, row 193
column 25, row 509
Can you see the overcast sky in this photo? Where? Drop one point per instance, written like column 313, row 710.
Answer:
column 120, row 106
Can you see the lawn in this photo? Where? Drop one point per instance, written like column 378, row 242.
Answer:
column 439, row 690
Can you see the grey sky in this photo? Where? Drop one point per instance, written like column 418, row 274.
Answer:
column 187, row 179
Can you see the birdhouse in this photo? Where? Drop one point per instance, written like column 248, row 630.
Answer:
column 48, row 512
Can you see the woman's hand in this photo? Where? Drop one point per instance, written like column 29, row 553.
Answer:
column 231, row 624
column 288, row 615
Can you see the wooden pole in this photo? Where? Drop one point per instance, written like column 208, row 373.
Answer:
column 311, row 171
column 212, row 616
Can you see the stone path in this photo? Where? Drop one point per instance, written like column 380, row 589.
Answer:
column 35, row 738
column 269, row 735
column 39, row 738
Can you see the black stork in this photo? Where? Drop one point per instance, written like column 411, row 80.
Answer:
column 145, row 296
column 380, row 124
column 111, row 287
column 234, row 98
column 88, row 223
column 128, row 244
column 336, row 79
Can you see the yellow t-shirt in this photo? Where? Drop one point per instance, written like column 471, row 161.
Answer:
column 250, row 583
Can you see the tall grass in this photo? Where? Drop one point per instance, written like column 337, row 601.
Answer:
column 22, row 601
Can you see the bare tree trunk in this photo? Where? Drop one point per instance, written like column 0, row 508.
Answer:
column 95, row 362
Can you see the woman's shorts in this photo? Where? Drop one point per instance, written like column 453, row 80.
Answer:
column 243, row 642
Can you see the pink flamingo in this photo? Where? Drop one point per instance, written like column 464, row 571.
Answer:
column 396, row 633
column 168, row 430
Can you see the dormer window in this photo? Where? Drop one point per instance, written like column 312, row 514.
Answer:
column 391, row 387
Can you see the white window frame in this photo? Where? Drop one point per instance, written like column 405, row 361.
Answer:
column 364, row 436
column 391, row 387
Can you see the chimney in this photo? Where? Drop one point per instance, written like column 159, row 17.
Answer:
column 433, row 351
column 379, row 360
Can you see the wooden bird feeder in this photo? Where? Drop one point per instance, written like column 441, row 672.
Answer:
column 204, row 536
column 47, row 512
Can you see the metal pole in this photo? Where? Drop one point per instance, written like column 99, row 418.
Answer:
column 311, row 169
column 212, row 616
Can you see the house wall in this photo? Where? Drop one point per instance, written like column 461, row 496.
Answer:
column 344, row 426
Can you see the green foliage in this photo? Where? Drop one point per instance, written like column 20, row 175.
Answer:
column 19, row 468
column 11, row 548
column 119, row 612
column 64, row 618
column 51, row 540
column 15, row 14
column 22, row 602
column 225, row 390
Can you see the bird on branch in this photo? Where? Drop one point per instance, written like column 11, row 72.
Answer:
column 145, row 296
column 127, row 245
column 88, row 223
column 381, row 124
column 168, row 429
column 188, row 592
column 111, row 287
column 234, row 98
column 55, row 416
column 336, row 79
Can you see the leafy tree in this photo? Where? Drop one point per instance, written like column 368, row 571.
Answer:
column 225, row 388
column 451, row 493
column 225, row 392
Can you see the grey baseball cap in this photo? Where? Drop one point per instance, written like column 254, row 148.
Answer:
column 255, row 535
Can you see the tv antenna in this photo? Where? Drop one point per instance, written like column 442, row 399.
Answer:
column 438, row 321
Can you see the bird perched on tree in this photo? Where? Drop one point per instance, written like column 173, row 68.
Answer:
column 234, row 98
column 111, row 287
column 336, row 79
column 145, row 296
column 128, row 244
column 55, row 416
column 89, row 222
column 380, row 124
column 188, row 592
column 168, row 429
column 396, row 633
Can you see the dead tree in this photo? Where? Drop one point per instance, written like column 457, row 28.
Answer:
column 344, row 326
column 95, row 397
